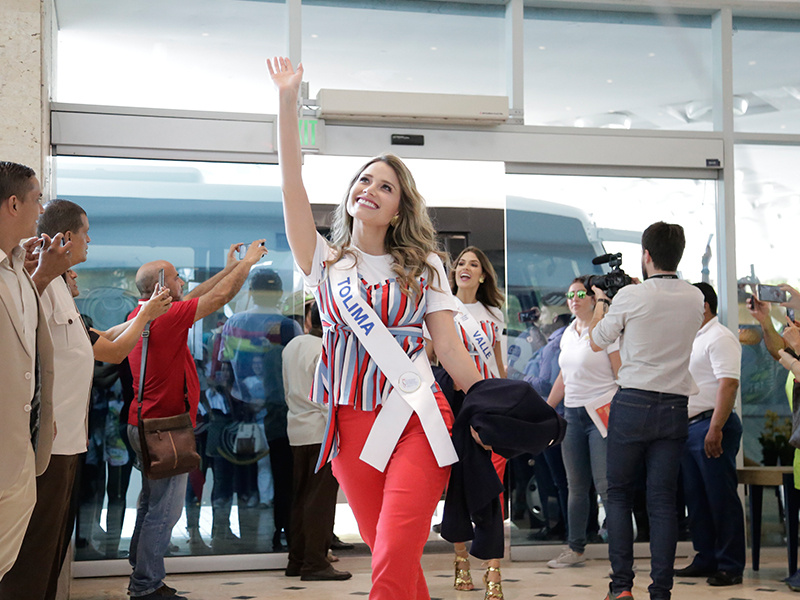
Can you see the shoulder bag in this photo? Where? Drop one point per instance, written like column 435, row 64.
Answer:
column 168, row 444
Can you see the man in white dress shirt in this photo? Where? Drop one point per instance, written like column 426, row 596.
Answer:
column 656, row 323
column 716, row 516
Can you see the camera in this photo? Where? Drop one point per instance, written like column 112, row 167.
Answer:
column 611, row 282
column 530, row 316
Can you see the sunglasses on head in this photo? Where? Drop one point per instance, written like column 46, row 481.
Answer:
column 581, row 294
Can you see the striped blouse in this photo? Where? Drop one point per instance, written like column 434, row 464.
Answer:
column 346, row 375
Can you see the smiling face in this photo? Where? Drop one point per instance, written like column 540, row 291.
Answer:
column 30, row 207
column 80, row 241
column 374, row 198
column 580, row 307
column 468, row 271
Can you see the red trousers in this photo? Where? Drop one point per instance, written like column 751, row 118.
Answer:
column 394, row 508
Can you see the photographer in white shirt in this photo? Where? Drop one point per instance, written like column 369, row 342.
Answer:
column 656, row 322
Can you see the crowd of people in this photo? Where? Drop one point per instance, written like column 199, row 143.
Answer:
column 380, row 384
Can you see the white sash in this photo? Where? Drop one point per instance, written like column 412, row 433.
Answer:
column 477, row 336
column 411, row 391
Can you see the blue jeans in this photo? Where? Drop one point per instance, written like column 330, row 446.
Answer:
column 716, row 517
column 160, row 507
column 650, row 429
column 584, row 452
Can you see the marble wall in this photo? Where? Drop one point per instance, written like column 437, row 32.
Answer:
column 25, row 67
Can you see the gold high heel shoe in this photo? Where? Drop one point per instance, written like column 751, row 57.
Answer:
column 494, row 589
column 463, row 579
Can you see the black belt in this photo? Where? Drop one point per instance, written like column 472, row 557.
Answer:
column 706, row 414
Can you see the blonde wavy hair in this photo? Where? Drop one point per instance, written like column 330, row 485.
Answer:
column 409, row 240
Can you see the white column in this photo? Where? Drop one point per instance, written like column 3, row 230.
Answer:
column 722, row 95
column 515, row 58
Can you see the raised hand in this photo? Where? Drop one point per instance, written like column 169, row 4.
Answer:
column 255, row 251
column 232, row 257
column 794, row 297
column 158, row 304
column 758, row 309
column 283, row 75
column 791, row 335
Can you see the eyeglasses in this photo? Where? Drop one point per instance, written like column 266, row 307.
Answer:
column 581, row 294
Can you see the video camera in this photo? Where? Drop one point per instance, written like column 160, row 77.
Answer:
column 611, row 282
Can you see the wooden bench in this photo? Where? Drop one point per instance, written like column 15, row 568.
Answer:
column 756, row 478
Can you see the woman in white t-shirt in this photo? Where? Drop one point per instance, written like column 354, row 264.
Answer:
column 380, row 272
column 586, row 376
column 474, row 282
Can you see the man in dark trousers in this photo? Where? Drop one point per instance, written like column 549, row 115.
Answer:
column 656, row 322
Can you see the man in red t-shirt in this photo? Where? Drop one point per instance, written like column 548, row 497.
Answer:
column 170, row 383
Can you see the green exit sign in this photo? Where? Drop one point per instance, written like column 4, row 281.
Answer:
column 310, row 130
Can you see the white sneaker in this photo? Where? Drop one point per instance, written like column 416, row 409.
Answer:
column 568, row 558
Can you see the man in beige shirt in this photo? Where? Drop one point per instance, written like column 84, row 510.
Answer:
column 26, row 356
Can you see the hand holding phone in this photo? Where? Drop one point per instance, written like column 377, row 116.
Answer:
column 243, row 249
column 771, row 293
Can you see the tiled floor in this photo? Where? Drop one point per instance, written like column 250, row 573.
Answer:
column 523, row 580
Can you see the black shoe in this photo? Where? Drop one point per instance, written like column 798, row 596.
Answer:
column 327, row 574
column 694, row 571
column 160, row 593
column 721, row 578
column 337, row 544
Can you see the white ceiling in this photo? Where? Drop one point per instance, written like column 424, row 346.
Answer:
column 209, row 55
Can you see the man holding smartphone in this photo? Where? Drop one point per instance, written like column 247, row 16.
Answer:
column 171, row 381
column 35, row 574
column 26, row 411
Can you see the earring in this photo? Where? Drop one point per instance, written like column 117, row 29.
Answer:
column 394, row 220
column 482, row 279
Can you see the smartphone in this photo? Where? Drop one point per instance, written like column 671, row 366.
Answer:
column 160, row 279
column 771, row 293
column 243, row 249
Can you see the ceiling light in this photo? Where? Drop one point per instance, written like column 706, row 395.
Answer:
column 740, row 105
